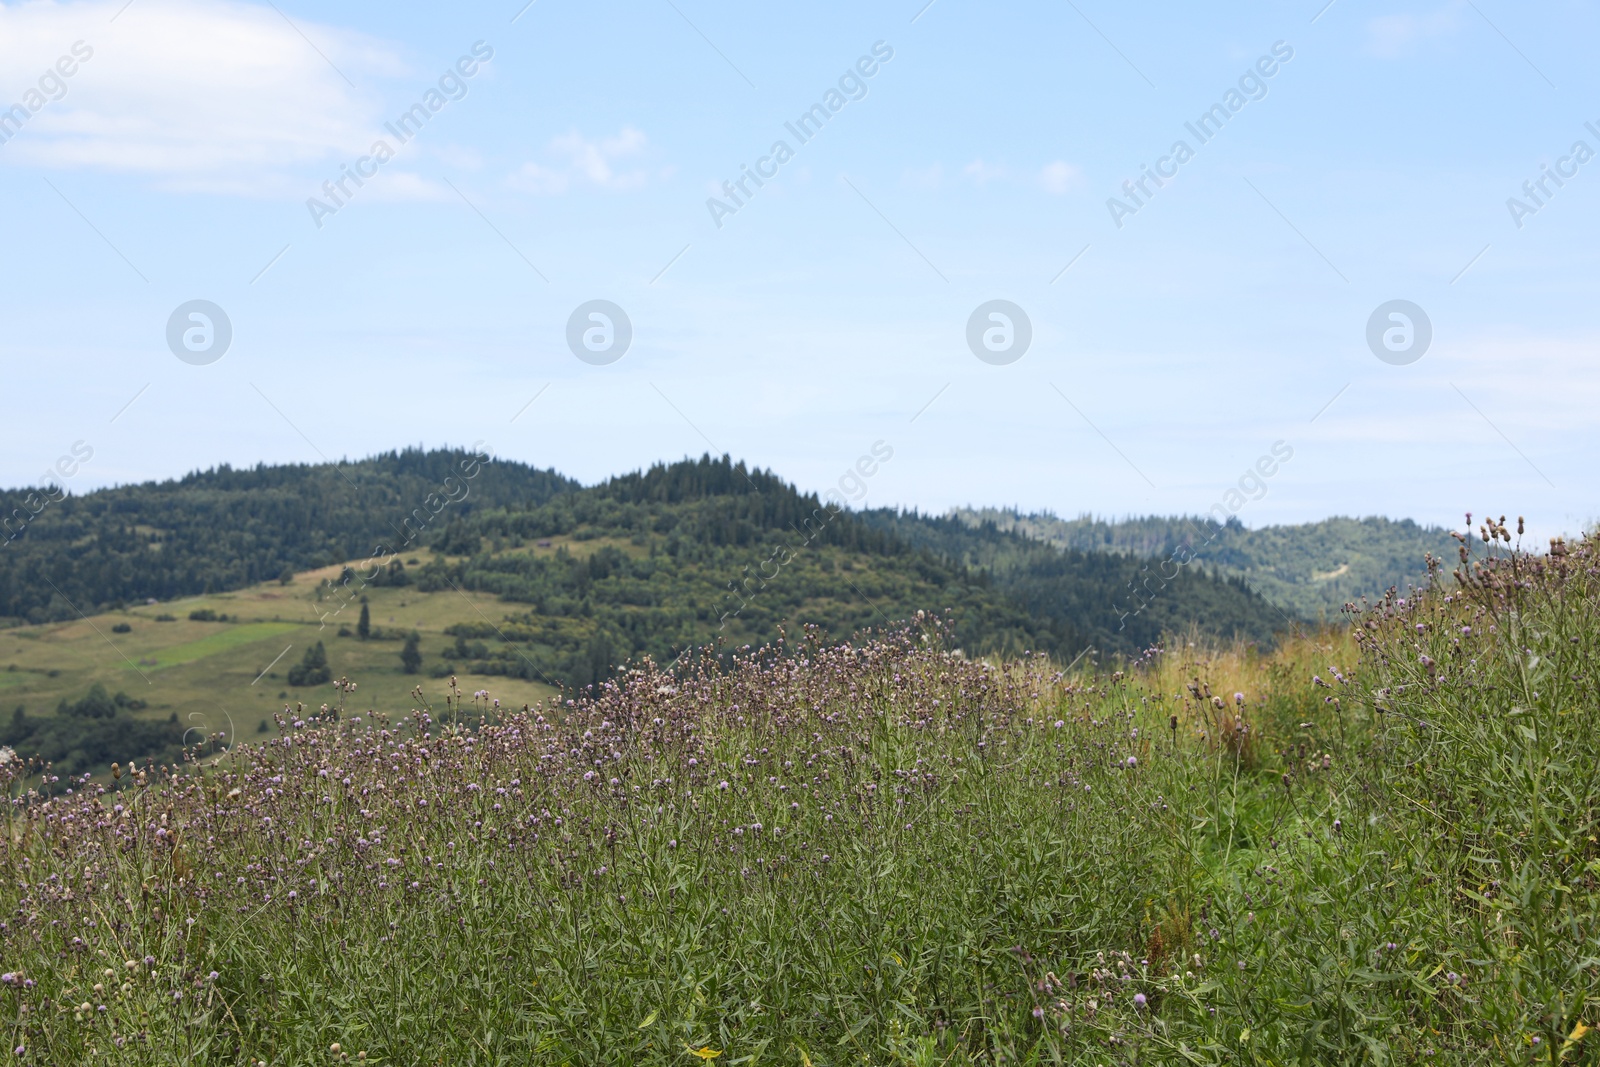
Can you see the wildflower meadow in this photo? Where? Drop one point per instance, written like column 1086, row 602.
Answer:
column 1374, row 843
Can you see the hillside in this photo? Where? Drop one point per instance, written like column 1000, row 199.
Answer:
column 221, row 663
column 1310, row 570
column 526, row 585
column 1108, row 594
column 224, row 529
column 700, row 549
column 1371, row 845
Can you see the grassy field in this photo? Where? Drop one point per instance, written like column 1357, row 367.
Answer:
column 231, row 676
column 1376, row 845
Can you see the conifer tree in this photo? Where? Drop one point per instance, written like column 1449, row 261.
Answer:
column 313, row 667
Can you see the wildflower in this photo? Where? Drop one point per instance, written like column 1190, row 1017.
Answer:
column 1139, row 1000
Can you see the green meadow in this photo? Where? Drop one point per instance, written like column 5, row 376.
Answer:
column 229, row 676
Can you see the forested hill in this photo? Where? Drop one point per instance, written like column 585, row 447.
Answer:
column 1310, row 569
column 227, row 528
column 1115, row 596
column 651, row 562
column 699, row 549
column 686, row 554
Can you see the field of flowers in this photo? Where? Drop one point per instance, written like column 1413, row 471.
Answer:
column 1375, row 844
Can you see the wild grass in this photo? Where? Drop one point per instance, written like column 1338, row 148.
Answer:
column 1375, row 845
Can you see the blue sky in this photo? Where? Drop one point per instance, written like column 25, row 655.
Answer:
column 830, row 311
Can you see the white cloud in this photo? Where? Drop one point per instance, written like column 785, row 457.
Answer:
column 220, row 96
column 1390, row 36
column 1060, row 177
column 575, row 160
column 400, row 185
column 459, row 157
column 983, row 173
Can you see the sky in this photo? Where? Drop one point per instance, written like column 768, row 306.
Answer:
column 1076, row 256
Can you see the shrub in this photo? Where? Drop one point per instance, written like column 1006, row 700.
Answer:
column 312, row 669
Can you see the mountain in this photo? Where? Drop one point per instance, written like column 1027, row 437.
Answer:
column 149, row 616
column 685, row 554
column 1309, row 570
column 225, row 528
column 1111, row 596
column 653, row 562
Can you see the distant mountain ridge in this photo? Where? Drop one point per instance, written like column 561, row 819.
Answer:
column 229, row 527
column 651, row 563
column 1309, row 569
